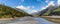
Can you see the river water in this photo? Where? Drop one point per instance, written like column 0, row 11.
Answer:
column 29, row 20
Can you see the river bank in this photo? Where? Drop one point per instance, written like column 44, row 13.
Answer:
column 26, row 20
column 3, row 19
column 55, row 19
column 6, row 19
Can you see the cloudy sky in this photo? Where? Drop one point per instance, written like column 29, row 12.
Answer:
column 30, row 6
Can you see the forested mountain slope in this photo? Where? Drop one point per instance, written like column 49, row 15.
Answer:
column 7, row 12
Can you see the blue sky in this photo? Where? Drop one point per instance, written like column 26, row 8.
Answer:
column 30, row 6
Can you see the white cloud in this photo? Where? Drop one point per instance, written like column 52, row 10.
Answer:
column 31, row 11
column 27, row 9
column 49, row 4
column 34, row 10
column 58, row 2
column 21, row 7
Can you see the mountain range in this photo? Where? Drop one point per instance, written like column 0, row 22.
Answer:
column 49, row 11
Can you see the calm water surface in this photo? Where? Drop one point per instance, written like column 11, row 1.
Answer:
column 16, row 21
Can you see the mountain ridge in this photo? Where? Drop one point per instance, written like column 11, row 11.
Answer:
column 49, row 11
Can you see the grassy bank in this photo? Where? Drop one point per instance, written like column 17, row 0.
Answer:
column 55, row 19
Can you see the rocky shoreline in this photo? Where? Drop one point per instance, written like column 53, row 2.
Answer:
column 3, row 19
column 6, row 18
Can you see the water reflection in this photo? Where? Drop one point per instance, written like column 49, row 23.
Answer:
column 40, row 20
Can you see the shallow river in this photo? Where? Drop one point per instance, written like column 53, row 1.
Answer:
column 27, row 20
